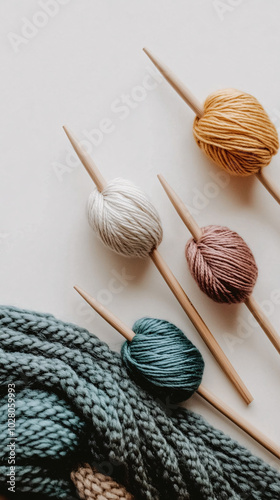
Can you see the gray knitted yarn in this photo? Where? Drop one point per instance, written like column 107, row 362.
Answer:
column 76, row 403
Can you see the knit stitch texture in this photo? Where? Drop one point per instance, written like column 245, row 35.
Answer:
column 75, row 403
column 91, row 485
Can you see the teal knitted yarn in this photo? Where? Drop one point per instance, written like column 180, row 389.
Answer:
column 166, row 360
column 75, row 403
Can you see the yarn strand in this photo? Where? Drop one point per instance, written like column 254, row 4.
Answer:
column 157, row 451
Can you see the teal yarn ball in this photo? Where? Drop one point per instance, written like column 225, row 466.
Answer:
column 75, row 403
column 163, row 359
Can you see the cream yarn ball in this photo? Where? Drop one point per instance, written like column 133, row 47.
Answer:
column 124, row 219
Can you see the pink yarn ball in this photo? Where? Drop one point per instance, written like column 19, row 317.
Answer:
column 222, row 264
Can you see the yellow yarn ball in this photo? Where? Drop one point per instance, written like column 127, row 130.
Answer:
column 236, row 132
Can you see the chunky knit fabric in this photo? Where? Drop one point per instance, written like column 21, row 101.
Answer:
column 91, row 485
column 77, row 404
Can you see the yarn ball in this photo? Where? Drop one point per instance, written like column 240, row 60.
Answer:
column 222, row 264
column 236, row 132
column 124, row 219
column 69, row 382
column 165, row 359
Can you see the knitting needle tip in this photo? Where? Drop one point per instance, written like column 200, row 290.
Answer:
column 79, row 290
column 88, row 298
column 74, row 141
column 160, row 178
column 151, row 57
column 66, row 130
column 106, row 314
column 178, row 86
column 181, row 209
column 86, row 160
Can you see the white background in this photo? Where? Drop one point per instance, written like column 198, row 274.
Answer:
column 72, row 70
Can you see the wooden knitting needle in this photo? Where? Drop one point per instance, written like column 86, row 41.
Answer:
column 269, row 185
column 198, row 109
column 87, row 161
column 173, row 284
column 217, row 403
column 243, row 424
column 196, row 232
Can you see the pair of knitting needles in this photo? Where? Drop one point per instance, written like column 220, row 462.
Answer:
column 208, row 396
column 172, row 282
column 197, row 233
column 197, row 107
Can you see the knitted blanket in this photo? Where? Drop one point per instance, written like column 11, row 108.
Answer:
column 75, row 403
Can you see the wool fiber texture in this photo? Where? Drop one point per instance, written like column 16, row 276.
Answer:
column 236, row 132
column 222, row 264
column 124, row 219
column 164, row 359
column 91, row 485
column 78, row 397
